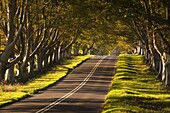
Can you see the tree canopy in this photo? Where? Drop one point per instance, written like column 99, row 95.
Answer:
column 37, row 33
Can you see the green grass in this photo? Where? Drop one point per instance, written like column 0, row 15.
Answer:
column 9, row 93
column 135, row 89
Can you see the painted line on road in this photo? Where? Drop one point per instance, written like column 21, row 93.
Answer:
column 43, row 110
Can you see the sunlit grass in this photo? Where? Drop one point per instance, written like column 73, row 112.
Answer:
column 9, row 93
column 135, row 89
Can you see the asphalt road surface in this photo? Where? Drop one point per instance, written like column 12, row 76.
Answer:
column 82, row 91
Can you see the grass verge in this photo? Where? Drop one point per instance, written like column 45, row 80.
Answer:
column 9, row 93
column 135, row 90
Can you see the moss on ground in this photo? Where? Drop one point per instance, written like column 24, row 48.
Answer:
column 135, row 89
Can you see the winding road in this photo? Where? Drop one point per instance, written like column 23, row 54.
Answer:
column 82, row 91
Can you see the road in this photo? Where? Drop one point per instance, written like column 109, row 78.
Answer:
column 82, row 91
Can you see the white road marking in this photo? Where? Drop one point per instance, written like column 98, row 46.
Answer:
column 43, row 110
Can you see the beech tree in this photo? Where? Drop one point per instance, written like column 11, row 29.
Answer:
column 149, row 22
column 36, row 36
column 12, row 34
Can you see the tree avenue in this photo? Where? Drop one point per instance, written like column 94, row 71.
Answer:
column 37, row 33
column 150, row 23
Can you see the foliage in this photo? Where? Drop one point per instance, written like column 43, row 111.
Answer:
column 147, row 25
column 39, row 35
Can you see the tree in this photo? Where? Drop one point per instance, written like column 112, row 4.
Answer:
column 7, row 59
column 148, row 20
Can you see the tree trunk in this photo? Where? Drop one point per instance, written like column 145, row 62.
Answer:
column 76, row 50
column 45, row 61
column 11, row 9
column 142, row 50
column 167, row 79
column 59, row 53
column 159, row 75
column 138, row 50
column 152, row 56
column 163, row 68
column 39, row 62
column 52, row 56
column 146, row 54
column 9, row 78
column 84, row 49
column 69, row 52
column 23, row 72
column 56, row 55
column 2, row 73
column 31, row 67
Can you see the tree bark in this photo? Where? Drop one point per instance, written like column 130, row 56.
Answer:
column 163, row 60
column 10, row 34
column 56, row 55
column 31, row 67
column 167, row 80
column 39, row 62
column 2, row 73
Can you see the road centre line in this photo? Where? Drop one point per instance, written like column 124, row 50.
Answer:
column 48, row 107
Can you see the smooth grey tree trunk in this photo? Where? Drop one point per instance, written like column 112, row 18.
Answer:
column 9, row 77
column 167, row 80
column 31, row 66
column 56, row 59
column 39, row 62
column 10, row 34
